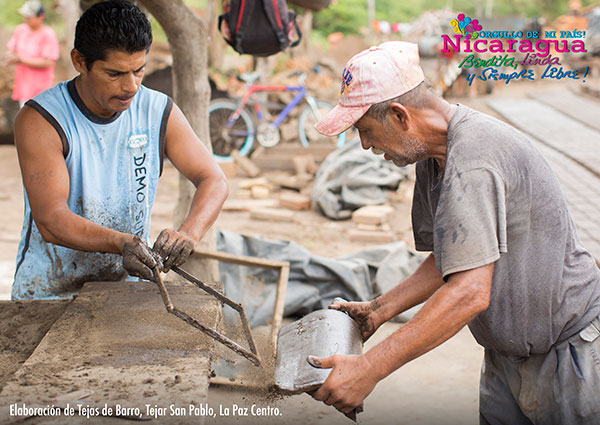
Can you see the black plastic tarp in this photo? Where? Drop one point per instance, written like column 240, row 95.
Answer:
column 314, row 281
column 351, row 177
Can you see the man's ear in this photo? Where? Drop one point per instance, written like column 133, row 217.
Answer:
column 78, row 61
column 400, row 115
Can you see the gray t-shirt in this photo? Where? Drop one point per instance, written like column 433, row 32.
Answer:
column 497, row 200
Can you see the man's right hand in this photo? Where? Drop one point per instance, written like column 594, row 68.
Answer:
column 364, row 313
column 137, row 258
column 174, row 247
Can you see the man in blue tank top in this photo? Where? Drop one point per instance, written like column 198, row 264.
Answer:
column 91, row 152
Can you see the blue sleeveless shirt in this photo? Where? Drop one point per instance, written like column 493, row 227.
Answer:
column 113, row 166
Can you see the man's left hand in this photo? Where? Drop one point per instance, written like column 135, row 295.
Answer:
column 350, row 381
column 174, row 247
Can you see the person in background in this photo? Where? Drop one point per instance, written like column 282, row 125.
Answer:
column 33, row 47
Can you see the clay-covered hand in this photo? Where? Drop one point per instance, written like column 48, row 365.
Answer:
column 174, row 248
column 363, row 313
column 137, row 258
column 350, row 381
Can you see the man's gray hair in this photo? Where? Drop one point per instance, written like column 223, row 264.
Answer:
column 417, row 98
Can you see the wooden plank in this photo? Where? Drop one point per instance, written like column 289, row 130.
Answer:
column 291, row 182
column 117, row 342
column 319, row 150
column 249, row 204
column 294, row 201
column 358, row 235
column 281, row 157
column 284, row 275
column 374, row 227
column 272, row 214
column 245, row 164
column 274, row 163
column 372, row 214
column 305, row 164
column 260, row 192
column 249, row 183
column 242, row 260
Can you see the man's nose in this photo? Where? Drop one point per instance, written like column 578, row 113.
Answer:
column 364, row 143
column 129, row 83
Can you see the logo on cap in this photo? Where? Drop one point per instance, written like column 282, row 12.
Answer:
column 346, row 81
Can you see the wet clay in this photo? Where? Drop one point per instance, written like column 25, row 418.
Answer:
column 23, row 324
column 117, row 341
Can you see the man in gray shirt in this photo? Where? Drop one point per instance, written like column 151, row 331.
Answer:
column 506, row 259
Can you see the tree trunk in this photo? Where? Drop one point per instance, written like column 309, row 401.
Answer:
column 264, row 66
column 307, row 19
column 216, row 44
column 69, row 9
column 188, row 35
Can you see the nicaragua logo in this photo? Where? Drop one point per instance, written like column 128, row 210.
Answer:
column 465, row 26
column 137, row 141
column 537, row 47
column 470, row 38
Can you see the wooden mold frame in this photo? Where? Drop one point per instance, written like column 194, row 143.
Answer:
column 284, row 273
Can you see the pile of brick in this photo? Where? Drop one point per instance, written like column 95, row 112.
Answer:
column 275, row 198
column 279, row 196
column 371, row 224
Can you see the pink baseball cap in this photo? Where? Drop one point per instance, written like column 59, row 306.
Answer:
column 372, row 76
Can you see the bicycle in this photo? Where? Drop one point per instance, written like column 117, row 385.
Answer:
column 232, row 125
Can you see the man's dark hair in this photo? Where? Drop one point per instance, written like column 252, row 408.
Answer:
column 111, row 25
column 419, row 97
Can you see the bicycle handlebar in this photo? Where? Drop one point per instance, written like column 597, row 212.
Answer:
column 316, row 69
column 251, row 77
column 248, row 77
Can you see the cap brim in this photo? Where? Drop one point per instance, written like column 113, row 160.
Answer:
column 340, row 119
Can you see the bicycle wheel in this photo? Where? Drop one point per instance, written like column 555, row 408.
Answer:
column 228, row 134
column 306, row 126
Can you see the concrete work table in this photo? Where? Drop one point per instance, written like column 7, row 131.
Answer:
column 116, row 345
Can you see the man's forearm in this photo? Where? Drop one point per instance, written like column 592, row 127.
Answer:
column 205, row 207
column 447, row 311
column 64, row 227
column 417, row 288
